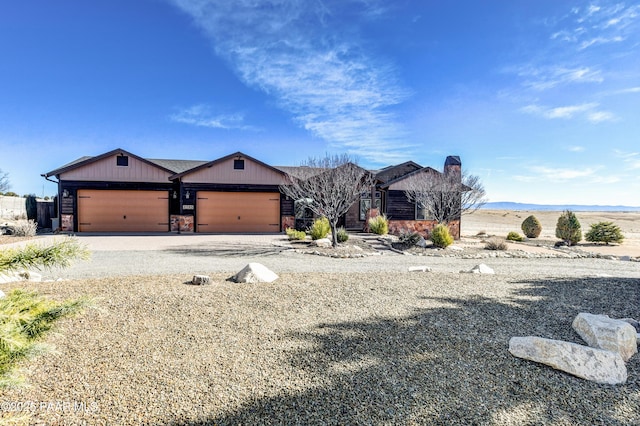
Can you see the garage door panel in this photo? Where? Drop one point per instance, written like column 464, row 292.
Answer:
column 123, row 211
column 238, row 212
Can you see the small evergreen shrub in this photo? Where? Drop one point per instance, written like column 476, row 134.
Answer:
column 568, row 228
column 441, row 237
column 604, row 232
column 342, row 235
column 320, row 228
column 495, row 244
column 531, row 227
column 514, row 236
column 379, row 225
column 295, row 235
column 31, row 206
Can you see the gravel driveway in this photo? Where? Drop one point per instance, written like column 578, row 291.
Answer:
column 203, row 254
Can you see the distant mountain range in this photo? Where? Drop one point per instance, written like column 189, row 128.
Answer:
column 507, row 205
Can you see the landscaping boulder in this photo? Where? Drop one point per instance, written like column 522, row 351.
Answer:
column 480, row 269
column 322, row 242
column 588, row 363
column 255, row 273
column 602, row 332
column 422, row 243
column 419, row 269
column 2, row 295
column 200, row 280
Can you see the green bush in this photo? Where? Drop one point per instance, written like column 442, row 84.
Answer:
column 531, row 227
column 440, row 236
column 31, row 206
column 295, row 235
column 604, row 232
column 58, row 254
column 342, row 235
column 24, row 317
column 409, row 239
column 379, row 225
column 568, row 228
column 320, row 228
column 495, row 244
column 514, row 236
column 25, row 228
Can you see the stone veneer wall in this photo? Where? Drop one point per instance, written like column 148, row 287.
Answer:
column 423, row 227
column 181, row 223
column 288, row 222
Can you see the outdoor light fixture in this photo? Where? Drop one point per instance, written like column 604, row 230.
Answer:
column 65, row 193
column 187, row 195
column 175, row 195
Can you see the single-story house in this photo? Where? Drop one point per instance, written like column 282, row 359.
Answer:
column 119, row 191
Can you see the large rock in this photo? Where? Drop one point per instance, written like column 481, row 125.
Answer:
column 480, row 269
column 201, row 280
column 2, row 295
column 419, row 269
column 582, row 361
column 322, row 242
column 602, row 332
column 255, row 273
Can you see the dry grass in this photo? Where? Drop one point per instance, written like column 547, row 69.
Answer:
column 327, row 348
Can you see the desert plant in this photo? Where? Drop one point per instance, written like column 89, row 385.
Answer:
column 568, row 228
column 32, row 207
column 379, row 224
column 24, row 317
column 604, row 232
column 58, row 254
column 295, row 235
column 320, row 228
column 531, row 227
column 25, row 228
column 495, row 244
column 514, row 236
column 440, row 236
column 343, row 235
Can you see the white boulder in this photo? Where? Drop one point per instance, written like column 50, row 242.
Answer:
column 597, row 365
column 419, row 269
column 200, row 280
column 2, row 295
column 480, row 269
column 255, row 273
column 322, row 242
column 602, row 332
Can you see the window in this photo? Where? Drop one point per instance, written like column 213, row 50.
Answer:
column 122, row 160
column 365, row 203
column 421, row 212
column 238, row 164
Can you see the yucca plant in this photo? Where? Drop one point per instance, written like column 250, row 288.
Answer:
column 379, row 224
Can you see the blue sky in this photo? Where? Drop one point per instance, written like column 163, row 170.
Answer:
column 541, row 98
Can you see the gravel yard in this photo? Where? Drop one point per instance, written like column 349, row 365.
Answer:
column 333, row 341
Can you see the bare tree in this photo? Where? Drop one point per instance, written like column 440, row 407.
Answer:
column 329, row 186
column 4, row 181
column 445, row 196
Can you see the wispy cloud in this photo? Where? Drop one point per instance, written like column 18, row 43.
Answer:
column 324, row 77
column 203, row 116
column 575, row 148
column 548, row 77
column 586, row 110
column 592, row 174
column 630, row 159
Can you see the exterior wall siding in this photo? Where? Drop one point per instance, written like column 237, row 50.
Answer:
column 399, row 207
column 107, row 170
column 224, row 173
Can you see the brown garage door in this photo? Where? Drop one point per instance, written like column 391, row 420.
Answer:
column 238, row 211
column 106, row 210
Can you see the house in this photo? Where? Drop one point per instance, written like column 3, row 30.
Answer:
column 119, row 191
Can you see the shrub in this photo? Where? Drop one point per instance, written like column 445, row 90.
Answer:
column 531, row 227
column 568, row 228
column 25, row 228
column 24, row 317
column 495, row 244
column 32, row 207
column 604, row 232
column 59, row 254
column 295, row 235
column 514, row 236
column 379, row 225
column 440, row 236
column 342, row 235
column 320, row 228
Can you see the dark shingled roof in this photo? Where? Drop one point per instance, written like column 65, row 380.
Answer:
column 177, row 166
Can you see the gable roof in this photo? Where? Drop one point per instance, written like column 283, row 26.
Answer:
column 415, row 172
column 83, row 161
column 222, row 159
column 390, row 173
